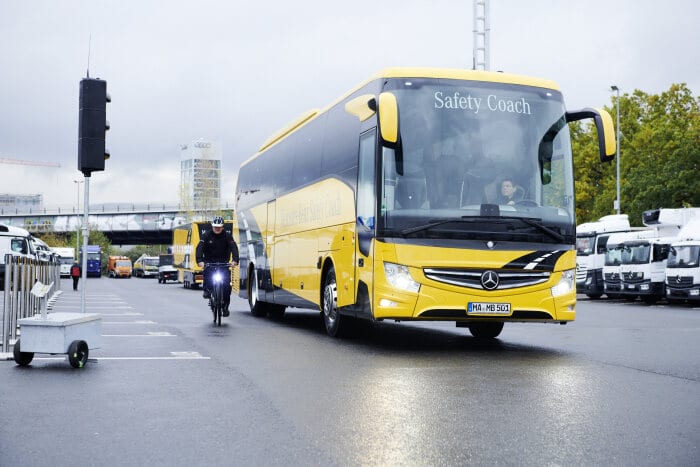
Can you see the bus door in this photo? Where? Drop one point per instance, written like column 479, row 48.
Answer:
column 366, row 216
column 266, row 264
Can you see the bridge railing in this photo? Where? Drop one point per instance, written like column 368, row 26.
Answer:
column 109, row 208
column 20, row 274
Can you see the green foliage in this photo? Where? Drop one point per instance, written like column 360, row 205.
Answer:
column 150, row 250
column 659, row 157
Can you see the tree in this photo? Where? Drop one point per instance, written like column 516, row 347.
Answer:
column 659, row 154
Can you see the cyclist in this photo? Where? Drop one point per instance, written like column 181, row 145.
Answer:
column 217, row 246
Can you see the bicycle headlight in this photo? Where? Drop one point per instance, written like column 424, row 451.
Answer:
column 398, row 276
column 218, row 277
column 566, row 283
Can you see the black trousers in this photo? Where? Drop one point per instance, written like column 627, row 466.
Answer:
column 75, row 282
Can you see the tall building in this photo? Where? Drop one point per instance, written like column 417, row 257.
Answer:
column 200, row 176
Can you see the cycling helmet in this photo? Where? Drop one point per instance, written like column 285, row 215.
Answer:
column 217, row 221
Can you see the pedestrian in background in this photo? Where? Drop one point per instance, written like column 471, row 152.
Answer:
column 75, row 273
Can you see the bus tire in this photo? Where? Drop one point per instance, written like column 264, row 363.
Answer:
column 329, row 304
column 257, row 308
column 485, row 329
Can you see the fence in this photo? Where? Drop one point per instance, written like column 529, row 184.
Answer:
column 17, row 302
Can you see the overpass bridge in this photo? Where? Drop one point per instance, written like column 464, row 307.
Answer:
column 122, row 223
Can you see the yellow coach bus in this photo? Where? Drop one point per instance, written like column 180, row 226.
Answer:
column 422, row 194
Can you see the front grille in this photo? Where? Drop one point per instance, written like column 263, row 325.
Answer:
column 581, row 273
column 679, row 281
column 472, row 277
column 612, row 277
column 632, row 277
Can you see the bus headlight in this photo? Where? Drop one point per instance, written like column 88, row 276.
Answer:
column 566, row 283
column 398, row 276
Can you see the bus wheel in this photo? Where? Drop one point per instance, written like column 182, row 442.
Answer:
column 485, row 329
column 331, row 316
column 257, row 308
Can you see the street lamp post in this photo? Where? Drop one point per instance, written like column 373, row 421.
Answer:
column 617, row 155
column 77, row 236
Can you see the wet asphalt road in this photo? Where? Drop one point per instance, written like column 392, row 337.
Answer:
column 620, row 386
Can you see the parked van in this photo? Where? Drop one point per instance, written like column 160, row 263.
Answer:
column 683, row 265
column 119, row 266
column 15, row 241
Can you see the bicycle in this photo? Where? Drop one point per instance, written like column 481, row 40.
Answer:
column 217, row 287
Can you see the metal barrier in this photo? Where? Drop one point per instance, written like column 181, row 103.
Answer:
column 20, row 275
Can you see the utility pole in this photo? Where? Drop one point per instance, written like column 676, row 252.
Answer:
column 482, row 35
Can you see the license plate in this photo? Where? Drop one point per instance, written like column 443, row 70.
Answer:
column 488, row 308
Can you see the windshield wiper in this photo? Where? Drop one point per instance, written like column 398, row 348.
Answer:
column 537, row 224
column 430, row 225
column 529, row 221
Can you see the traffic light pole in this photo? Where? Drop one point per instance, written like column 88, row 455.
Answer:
column 86, row 234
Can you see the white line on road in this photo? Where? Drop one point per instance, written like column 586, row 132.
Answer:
column 150, row 334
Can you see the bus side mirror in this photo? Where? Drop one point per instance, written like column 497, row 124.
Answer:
column 388, row 109
column 604, row 126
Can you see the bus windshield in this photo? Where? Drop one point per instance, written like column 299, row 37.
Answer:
column 475, row 151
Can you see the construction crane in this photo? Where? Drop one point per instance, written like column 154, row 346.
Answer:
column 6, row 160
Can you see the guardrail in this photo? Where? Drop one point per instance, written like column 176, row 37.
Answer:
column 110, row 208
column 17, row 300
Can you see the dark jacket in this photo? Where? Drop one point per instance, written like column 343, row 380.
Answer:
column 213, row 248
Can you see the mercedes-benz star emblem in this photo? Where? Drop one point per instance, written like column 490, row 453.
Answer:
column 678, row 279
column 489, row 280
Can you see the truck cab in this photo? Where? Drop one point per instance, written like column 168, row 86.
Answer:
column 146, row 266
column 14, row 241
column 166, row 270
column 591, row 246
column 119, row 266
column 683, row 265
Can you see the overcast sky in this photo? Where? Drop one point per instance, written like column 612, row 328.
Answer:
column 236, row 71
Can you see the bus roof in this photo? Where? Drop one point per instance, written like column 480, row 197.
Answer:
column 408, row 72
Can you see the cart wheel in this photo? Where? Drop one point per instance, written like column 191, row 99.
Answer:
column 22, row 358
column 78, row 354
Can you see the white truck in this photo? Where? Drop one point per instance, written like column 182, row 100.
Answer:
column 146, row 266
column 67, row 258
column 683, row 265
column 15, row 241
column 612, row 279
column 643, row 269
column 591, row 246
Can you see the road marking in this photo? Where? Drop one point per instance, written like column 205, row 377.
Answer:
column 122, row 314
column 150, row 334
column 130, row 322
column 200, row 357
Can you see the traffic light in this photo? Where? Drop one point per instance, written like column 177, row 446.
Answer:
column 92, row 125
